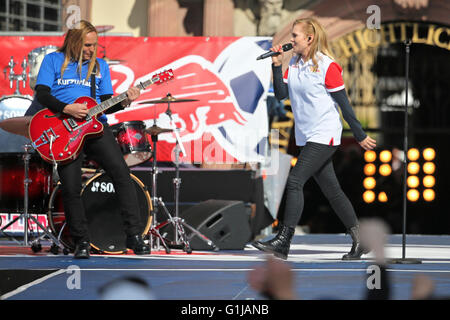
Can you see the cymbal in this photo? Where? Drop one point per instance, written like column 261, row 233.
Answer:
column 166, row 100
column 113, row 61
column 155, row 130
column 101, row 29
column 17, row 125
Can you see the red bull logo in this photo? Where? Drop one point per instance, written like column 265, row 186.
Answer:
column 229, row 105
column 215, row 104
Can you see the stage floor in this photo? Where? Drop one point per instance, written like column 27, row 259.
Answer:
column 207, row 275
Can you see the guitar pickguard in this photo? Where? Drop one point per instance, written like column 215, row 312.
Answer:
column 72, row 139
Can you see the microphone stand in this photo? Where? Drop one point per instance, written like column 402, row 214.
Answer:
column 404, row 260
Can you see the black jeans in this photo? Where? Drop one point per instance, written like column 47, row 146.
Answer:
column 106, row 152
column 315, row 160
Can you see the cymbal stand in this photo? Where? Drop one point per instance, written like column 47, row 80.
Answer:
column 156, row 202
column 25, row 215
column 178, row 223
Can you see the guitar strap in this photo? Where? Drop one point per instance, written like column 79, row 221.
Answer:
column 94, row 71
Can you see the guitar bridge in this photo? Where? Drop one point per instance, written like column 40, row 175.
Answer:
column 45, row 138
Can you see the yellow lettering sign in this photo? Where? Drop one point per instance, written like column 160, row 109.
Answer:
column 389, row 33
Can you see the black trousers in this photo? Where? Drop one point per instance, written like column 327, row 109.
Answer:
column 106, row 152
column 315, row 160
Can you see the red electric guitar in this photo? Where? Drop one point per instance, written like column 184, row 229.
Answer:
column 60, row 138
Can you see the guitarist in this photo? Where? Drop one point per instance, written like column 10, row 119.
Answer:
column 64, row 76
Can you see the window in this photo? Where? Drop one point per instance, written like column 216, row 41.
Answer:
column 30, row 15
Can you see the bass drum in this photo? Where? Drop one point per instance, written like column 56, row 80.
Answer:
column 10, row 107
column 105, row 223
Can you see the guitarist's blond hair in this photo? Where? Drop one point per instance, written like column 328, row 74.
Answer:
column 73, row 47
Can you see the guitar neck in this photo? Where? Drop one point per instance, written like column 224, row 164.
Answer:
column 105, row 105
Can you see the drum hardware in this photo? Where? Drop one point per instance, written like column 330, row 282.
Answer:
column 16, row 77
column 26, row 216
column 103, row 29
column 17, row 125
column 109, row 61
column 13, row 125
column 103, row 215
column 181, row 240
column 113, row 62
column 154, row 130
column 157, row 202
column 167, row 99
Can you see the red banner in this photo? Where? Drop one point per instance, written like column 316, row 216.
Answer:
column 226, row 123
column 18, row 227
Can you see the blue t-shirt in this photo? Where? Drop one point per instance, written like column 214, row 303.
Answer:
column 72, row 85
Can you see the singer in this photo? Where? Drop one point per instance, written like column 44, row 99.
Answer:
column 315, row 87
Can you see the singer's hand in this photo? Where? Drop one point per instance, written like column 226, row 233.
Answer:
column 368, row 143
column 277, row 60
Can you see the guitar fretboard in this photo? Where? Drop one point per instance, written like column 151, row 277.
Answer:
column 105, row 105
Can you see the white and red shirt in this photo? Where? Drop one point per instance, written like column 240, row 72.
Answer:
column 316, row 114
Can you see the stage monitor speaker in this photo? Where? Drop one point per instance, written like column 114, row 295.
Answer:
column 224, row 222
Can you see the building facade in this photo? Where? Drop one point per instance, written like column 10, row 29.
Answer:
column 367, row 37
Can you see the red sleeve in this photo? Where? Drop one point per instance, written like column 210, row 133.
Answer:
column 285, row 76
column 333, row 78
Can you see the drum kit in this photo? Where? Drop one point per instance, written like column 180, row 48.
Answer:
column 41, row 192
column 30, row 186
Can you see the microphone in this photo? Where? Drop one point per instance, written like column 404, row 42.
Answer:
column 285, row 47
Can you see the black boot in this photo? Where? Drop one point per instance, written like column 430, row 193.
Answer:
column 82, row 250
column 137, row 244
column 279, row 246
column 357, row 249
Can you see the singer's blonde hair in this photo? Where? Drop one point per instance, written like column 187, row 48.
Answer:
column 319, row 43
